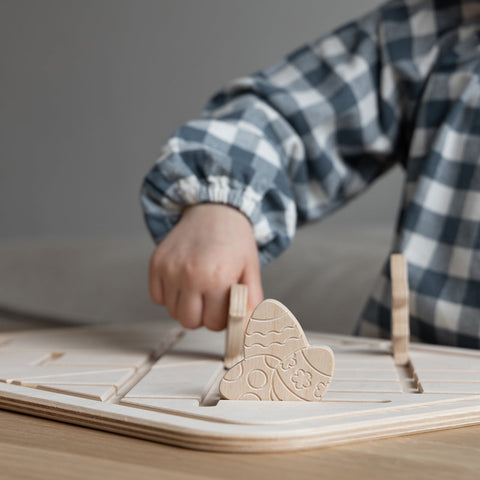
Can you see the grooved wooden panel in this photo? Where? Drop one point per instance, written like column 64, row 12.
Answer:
column 164, row 387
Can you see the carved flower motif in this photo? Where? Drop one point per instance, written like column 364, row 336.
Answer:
column 302, row 379
column 319, row 390
column 289, row 363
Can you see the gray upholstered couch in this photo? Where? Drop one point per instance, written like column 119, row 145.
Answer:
column 324, row 278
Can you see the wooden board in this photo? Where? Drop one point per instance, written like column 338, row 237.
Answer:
column 157, row 382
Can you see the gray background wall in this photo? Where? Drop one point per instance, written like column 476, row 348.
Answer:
column 89, row 91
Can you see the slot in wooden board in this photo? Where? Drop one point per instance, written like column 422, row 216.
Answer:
column 449, row 362
column 21, row 357
column 365, row 375
column 278, row 413
column 116, row 378
column 447, row 376
column 41, row 371
column 365, row 386
column 152, row 338
column 454, row 388
column 95, row 359
column 178, row 381
column 95, row 392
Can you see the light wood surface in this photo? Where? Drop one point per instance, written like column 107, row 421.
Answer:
column 400, row 309
column 278, row 362
column 153, row 381
column 34, row 448
column 237, row 313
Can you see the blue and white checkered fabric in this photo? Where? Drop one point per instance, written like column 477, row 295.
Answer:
column 293, row 142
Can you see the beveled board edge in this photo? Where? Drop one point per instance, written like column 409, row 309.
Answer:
column 224, row 437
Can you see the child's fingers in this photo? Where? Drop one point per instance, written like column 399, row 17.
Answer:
column 155, row 283
column 171, row 295
column 215, row 309
column 189, row 309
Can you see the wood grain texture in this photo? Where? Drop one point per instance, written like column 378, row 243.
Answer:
column 58, row 450
column 400, row 309
column 192, row 380
column 189, row 413
column 101, row 393
column 237, row 313
column 278, row 364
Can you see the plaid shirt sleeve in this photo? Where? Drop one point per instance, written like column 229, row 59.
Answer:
column 295, row 141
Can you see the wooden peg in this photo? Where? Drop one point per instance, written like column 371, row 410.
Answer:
column 235, row 324
column 400, row 327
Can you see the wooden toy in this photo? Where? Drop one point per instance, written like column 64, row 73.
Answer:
column 400, row 315
column 279, row 364
column 235, row 324
column 155, row 381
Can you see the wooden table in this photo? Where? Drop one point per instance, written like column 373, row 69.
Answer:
column 35, row 448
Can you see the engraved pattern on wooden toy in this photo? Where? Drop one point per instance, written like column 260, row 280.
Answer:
column 251, row 377
column 279, row 364
column 273, row 330
column 309, row 371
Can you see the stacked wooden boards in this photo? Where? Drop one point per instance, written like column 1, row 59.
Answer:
column 155, row 381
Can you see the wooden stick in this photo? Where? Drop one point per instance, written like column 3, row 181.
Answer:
column 400, row 327
column 235, row 325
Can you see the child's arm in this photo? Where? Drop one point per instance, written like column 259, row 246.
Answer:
column 290, row 144
column 191, row 271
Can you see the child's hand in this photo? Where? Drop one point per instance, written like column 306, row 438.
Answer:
column 193, row 268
